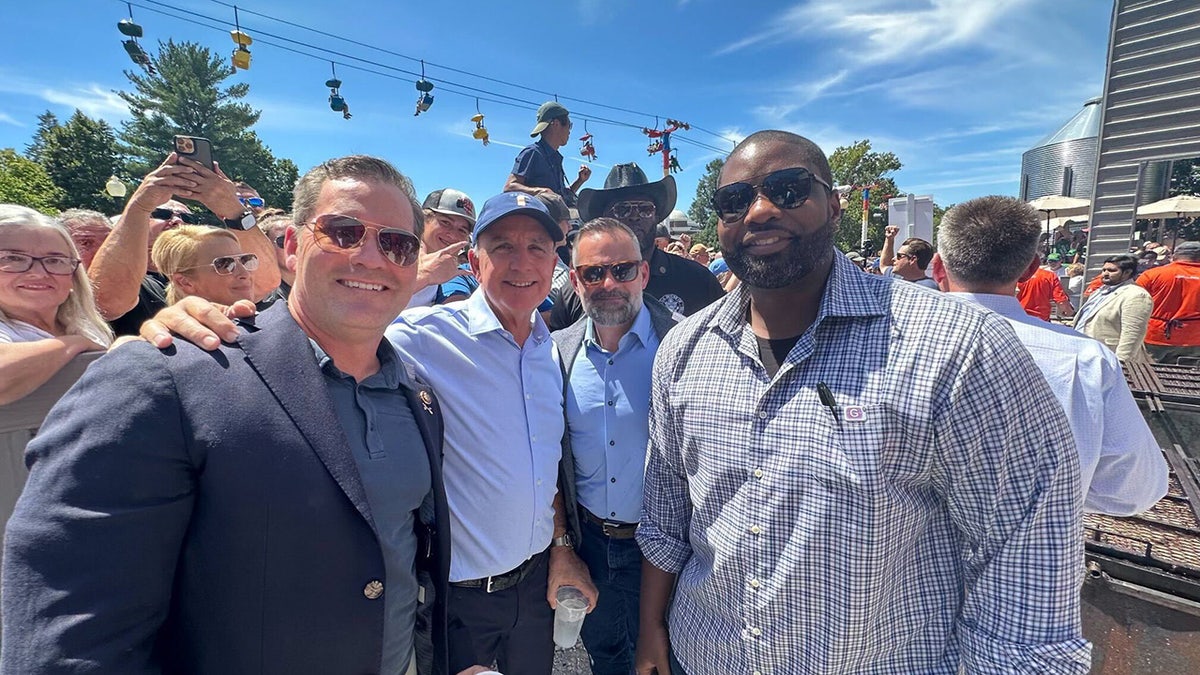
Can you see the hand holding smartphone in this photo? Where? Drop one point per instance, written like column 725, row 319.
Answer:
column 196, row 149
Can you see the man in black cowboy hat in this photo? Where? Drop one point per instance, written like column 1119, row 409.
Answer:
column 683, row 285
column 538, row 169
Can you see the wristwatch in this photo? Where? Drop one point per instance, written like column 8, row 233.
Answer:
column 243, row 222
column 564, row 540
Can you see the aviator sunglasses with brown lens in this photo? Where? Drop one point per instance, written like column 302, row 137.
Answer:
column 227, row 264
column 336, row 233
column 622, row 272
column 786, row 188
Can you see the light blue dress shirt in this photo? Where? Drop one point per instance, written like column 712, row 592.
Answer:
column 502, row 405
column 608, row 404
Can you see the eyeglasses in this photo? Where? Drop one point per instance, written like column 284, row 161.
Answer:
column 641, row 210
column 335, row 233
column 253, row 202
column 906, row 255
column 167, row 214
column 622, row 272
column 280, row 240
column 227, row 264
column 58, row 265
column 786, row 188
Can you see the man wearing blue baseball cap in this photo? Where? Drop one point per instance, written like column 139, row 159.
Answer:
column 513, row 548
column 539, row 167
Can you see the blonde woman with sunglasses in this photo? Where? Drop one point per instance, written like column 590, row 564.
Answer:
column 204, row 261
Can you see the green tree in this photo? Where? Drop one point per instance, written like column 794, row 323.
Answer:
column 187, row 96
column 1185, row 177
column 79, row 156
column 701, row 211
column 24, row 181
column 858, row 165
column 47, row 123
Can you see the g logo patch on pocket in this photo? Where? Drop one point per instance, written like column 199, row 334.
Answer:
column 854, row 413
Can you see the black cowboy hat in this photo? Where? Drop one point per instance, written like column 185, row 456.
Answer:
column 623, row 181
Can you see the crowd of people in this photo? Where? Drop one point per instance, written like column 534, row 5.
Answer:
column 378, row 434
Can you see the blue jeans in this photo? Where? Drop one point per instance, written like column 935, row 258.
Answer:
column 610, row 631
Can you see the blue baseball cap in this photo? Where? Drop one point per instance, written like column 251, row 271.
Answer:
column 515, row 203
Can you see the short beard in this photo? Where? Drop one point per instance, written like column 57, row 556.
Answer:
column 784, row 268
column 619, row 316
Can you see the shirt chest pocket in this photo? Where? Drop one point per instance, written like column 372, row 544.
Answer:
column 844, row 449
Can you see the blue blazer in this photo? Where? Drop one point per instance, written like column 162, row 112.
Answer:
column 201, row 512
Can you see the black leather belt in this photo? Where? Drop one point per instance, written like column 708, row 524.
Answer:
column 610, row 528
column 500, row 582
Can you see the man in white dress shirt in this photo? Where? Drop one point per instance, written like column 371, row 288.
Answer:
column 985, row 246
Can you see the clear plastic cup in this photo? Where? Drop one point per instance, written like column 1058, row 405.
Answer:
column 568, row 618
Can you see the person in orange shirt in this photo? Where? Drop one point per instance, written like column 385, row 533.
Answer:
column 1040, row 290
column 1174, row 330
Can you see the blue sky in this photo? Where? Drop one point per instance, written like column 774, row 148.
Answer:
column 957, row 88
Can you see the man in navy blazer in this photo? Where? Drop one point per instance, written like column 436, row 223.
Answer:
column 254, row 509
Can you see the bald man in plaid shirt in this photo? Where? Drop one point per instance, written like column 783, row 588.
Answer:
column 894, row 488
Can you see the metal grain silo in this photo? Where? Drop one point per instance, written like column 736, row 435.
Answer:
column 1064, row 163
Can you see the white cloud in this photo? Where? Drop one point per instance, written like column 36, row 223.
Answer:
column 94, row 100
column 884, row 30
column 733, row 134
column 5, row 118
column 1009, row 178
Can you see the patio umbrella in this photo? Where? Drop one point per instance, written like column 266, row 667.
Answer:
column 1060, row 206
column 1179, row 206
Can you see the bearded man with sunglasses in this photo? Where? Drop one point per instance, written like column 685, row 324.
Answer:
column 681, row 284
column 607, row 357
column 875, row 501
column 258, row 509
column 128, row 288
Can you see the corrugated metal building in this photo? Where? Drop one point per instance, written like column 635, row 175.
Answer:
column 1150, row 115
column 1064, row 163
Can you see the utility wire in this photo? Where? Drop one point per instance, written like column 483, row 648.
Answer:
column 450, row 87
column 460, row 71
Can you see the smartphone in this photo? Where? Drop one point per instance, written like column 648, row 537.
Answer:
column 196, row 149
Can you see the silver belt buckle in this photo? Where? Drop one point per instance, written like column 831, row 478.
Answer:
column 606, row 525
column 488, row 586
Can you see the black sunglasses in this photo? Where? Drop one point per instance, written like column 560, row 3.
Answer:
column 334, row 233
column 786, row 188
column 167, row 214
column 622, row 272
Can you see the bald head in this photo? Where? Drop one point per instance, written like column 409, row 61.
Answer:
column 806, row 151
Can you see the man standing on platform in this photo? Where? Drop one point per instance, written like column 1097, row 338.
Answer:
column 539, row 167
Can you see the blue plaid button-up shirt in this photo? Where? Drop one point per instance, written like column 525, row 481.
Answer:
column 928, row 520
